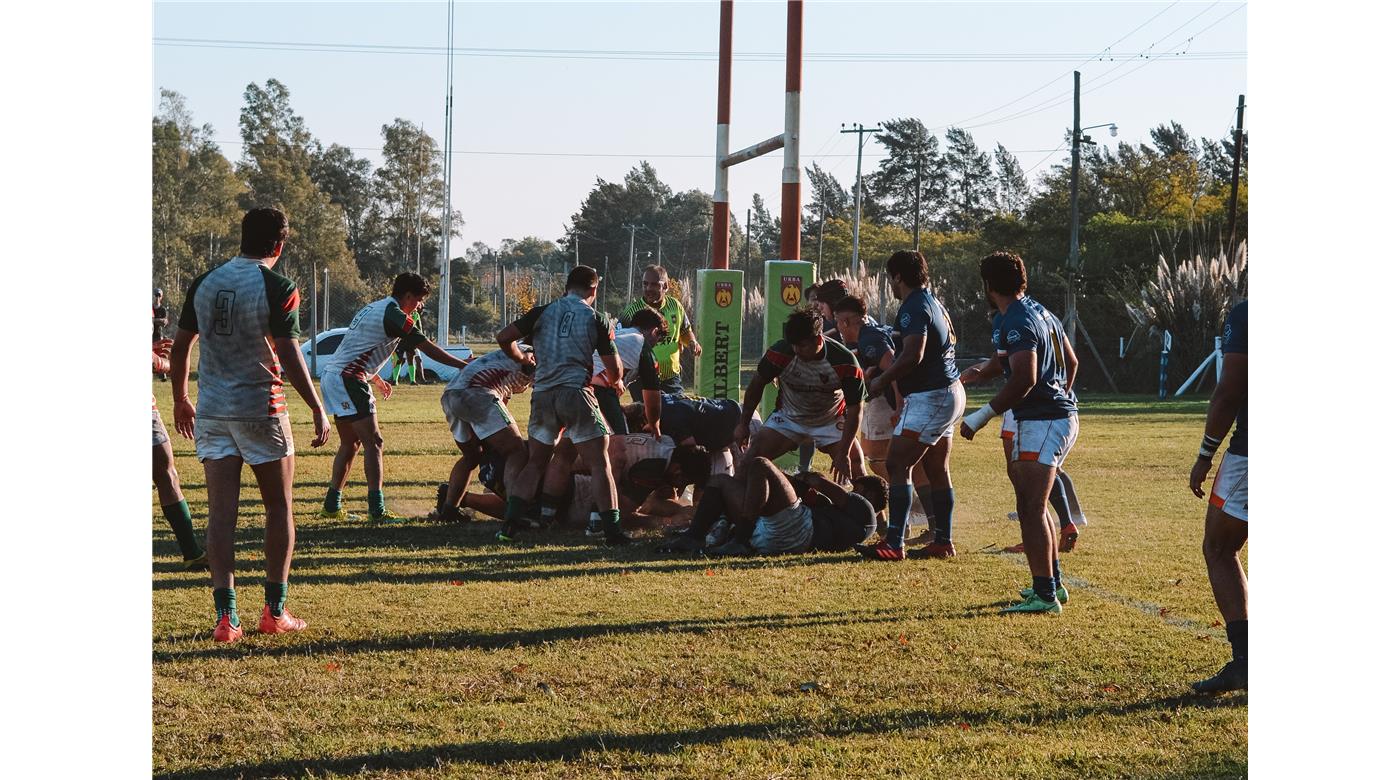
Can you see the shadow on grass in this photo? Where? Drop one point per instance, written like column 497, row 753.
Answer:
column 494, row 752
column 485, row 640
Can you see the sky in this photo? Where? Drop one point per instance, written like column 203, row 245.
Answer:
column 548, row 97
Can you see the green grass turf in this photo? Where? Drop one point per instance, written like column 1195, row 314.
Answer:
column 433, row 652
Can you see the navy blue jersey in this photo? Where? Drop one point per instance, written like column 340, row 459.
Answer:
column 873, row 343
column 710, row 421
column 922, row 314
column 1234, row 340
column 1002, row 359
column 1027, row 325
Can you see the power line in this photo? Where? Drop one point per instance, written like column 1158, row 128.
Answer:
column 659, row 55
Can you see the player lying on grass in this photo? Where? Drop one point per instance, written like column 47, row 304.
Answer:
column 243, row 315
column 1227, row 516
column 1043, row 366
column 647, row 470
column 926, row 376
column 476, row 402
column 566, row 333
column 1063, row 498
column 374, row 333
column 167, row 481
column 820, row 391
column 770, row 513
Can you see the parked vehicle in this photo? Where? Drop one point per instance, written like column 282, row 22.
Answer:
column 328, row 341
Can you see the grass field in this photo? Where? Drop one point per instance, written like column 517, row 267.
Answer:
column 434, row 652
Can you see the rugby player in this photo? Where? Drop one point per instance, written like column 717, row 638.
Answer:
column 1063, row 497
column 374, row 333
column 565, row 333
column 635, row 347
column 772, row 513
column 1227, row 516
column 475, row 403
column 1046, row 420
column 678, row 332
column 246, row 315
column 167, row 480
column 820, row 389
column 926, row 375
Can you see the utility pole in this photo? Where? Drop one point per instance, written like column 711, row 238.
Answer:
column 631, row 258
column 861, row 131
column 1235, row 174
column 417, row 207
column 445, row 275
column 918, row 195
column 1072, row 267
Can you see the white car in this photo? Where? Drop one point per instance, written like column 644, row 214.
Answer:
column 327, row 341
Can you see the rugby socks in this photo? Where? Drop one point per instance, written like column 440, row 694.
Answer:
column 515, row 510
column 1060, row 503
column 376, row 503
column 901, row 498
column 939, row 506
column 332, row 502
column 707, row 513
column 612, row 520
column 549, row 508
column 1237, row 631
column 226, row 603
column 178, row 515
column 275, row 595
column 1044, row 587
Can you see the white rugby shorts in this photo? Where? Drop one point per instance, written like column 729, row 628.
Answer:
column 474, row 413
column 788, row 531
column 1045, row 441
column 875, row 418
column 932, row 414
column 255, row 441
column 1230, row 491
column 346, row 396
column 822, row 435
column 158, row 434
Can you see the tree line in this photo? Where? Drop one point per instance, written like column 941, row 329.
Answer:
column 1138, row 202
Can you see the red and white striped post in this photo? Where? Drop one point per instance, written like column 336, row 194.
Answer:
column 790, row 240
column 719, row 230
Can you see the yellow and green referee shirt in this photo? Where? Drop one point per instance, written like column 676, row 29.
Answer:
column 667, row 351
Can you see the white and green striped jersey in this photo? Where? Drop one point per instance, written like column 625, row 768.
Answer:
column 565, row 333
column 237, row 309
column 374, row 333
column 496, row 373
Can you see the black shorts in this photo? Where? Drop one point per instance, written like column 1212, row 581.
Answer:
column 610, row 404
